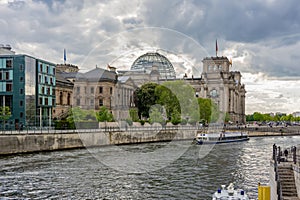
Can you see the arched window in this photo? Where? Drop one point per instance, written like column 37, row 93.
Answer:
column 69, row 99
column 60, row 98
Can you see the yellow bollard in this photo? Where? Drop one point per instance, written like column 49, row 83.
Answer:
column 264, row 192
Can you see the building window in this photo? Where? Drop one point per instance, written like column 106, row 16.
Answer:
column 8, row 87
column 21, row 67
column 8, row 63
column 21, row 103
column 21, row 114
column 92, row 90
column 21, row 79
column 53, row 71
column 53, row 102
column 110, row 90
column 1, row 76
column 46, row 79
column 69, row 99
column 51, row 80
column 78, row 102
column 47, row 69
column 60, row 98
column 101, row 90
column 92, row 102
column 6, row 75
column 78, row 89
column 40, row 101
column 43, row 90
column 46, row 101
column 41, row 68
column 100, row 102
column 21, row 91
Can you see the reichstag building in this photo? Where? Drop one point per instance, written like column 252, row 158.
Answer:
column 114, row 88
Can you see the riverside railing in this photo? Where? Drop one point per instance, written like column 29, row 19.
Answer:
column 283, row 155
column 279, row 129
column 276, row 158
column 103, row 129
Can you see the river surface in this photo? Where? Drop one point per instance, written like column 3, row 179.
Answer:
column 79, row 174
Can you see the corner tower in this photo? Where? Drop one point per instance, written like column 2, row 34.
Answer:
column 223, row 87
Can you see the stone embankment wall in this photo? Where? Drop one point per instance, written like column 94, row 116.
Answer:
column 13, row 142
column 49, row 141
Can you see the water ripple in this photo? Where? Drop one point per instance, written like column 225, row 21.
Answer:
column 76, row 174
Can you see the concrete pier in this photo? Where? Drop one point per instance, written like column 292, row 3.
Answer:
column 284, row 174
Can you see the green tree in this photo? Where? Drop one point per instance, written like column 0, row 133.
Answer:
column 157, row 114
column 175, row 117
column 104, row 115
column 168, row 99
column 227, row 117
column 144, row 98
column 133, row 113
column 205, row 109
column 77, row 115
column 186, row 102
column 257, row 116
column 215, row 113
column 5, row 114
column 81, row 115
column 175, row 96
column 209, row 111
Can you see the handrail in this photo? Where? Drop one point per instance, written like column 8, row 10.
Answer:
column 286, row 155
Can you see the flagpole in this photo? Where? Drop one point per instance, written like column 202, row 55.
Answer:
column 65, row 56
column 216, row 48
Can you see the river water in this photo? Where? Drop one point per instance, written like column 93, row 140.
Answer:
column 79, row 174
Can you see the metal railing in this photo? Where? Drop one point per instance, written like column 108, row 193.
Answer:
column 280, row 155
column 279, row 129
column 276, row 158
column 103, row 129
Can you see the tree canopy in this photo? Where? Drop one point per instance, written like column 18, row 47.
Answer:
column 260, row 117
column 176, row 97
column 145, row 98
column 104, row 115
column 5, row 113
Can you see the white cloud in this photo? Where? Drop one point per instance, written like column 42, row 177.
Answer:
column 262, row 38
column 269, row 95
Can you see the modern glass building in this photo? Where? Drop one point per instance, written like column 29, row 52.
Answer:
column 27, row 87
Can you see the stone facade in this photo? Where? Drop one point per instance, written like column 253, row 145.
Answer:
column 64, row 97
column 223, row 86
column 217, row 82
column 65, row 77
column 100, row 87
column 123, row 98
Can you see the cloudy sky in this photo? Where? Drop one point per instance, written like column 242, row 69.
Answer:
column 261, row 37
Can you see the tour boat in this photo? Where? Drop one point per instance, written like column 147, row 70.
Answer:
column 222, row 137
column 230, row 193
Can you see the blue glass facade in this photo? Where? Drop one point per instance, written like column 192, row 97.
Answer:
column 27, row 87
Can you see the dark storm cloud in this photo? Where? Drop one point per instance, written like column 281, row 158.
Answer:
column 245, row 21
column 264, row 33
column 57, row 6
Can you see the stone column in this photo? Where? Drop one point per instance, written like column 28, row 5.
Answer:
column 231, row 100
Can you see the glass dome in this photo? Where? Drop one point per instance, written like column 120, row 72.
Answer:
column 146, row 61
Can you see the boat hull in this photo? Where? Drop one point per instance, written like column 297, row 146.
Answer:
column 201, row 142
